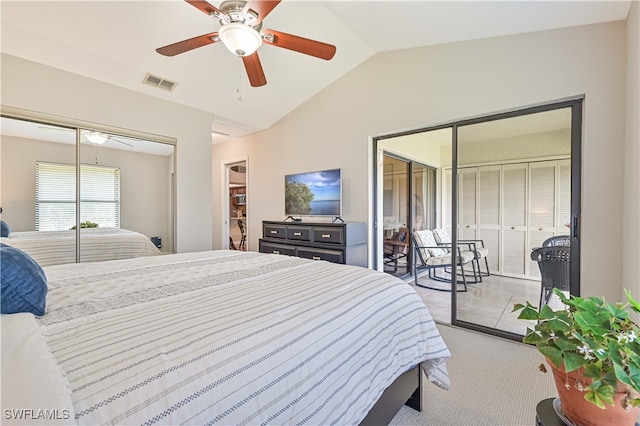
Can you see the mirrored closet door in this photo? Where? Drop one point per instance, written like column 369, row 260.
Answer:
column 119, row 201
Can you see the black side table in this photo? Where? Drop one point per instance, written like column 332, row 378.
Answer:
column 546, row 415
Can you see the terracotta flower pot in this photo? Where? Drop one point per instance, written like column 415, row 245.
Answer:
column 581, row 412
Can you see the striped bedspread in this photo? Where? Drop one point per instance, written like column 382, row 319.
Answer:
column 233, row 338
column 97, row 244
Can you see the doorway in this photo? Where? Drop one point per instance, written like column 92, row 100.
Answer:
column 408, row 204
column 510, row 180
column 235, row 206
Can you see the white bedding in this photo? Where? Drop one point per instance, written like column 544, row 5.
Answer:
column 228, row 337
column 97, row 244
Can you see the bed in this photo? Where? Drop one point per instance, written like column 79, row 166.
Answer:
column 218, row 337
column 97, row 244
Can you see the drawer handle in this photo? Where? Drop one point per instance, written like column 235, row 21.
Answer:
column 276, row 252
column 274, row 232
column 326, row 235
column 316, row 257
column 540, row 229
column 297, row 234
column 513, row 227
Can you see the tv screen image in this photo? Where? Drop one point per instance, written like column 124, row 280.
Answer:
column 314, row 193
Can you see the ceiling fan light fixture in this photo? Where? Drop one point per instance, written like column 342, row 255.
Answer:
column 240, row 39
column 96, row 138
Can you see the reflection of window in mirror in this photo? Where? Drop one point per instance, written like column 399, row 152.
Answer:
column 145, row 173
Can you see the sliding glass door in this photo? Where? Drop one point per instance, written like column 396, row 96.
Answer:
column 514, row 192
column 504, row 184
column 409, row 204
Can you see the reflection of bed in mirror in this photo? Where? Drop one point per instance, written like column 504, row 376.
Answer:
column 97, row 244
column 223, row 337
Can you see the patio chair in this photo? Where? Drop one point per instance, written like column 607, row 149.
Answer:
column 431, row 256
column 475, row 246
column 396, row 247
column 553, row 262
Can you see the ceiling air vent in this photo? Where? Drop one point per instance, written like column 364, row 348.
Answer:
column 155, row 81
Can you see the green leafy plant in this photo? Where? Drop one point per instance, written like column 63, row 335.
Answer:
column 86, row 224
column 591, row 334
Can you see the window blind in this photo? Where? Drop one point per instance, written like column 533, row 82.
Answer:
column 56, row 196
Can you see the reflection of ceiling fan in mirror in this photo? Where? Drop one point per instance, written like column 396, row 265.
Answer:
column 240, row 32
column 95, row 137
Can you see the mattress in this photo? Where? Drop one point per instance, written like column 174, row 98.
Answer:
column 228, row 337
column 97, row 244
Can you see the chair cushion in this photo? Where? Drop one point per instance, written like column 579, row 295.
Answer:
column 465, row 257
column 23, row 282
column 481, row 252
column 424, row 238
column 442, row 236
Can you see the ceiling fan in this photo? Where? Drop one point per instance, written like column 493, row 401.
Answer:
column 95, row 137
column 241, row 32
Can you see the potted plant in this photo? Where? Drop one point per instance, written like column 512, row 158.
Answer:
column 593, row 348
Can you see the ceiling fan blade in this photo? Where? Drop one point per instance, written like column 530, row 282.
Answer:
column 254, row 70
column 299, row 44
column 119, row 141
column 261, row 7
column 186, row 45
column 204, row 6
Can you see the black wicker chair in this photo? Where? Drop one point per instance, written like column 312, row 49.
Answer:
column 553, row 262
column 558, row 240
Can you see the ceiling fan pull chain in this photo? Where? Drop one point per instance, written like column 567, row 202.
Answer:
column 238, row 80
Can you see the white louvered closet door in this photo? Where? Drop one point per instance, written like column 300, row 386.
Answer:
column 563, row 201
column 467, row 203
column 489, row 213
column 542, row 201
column 514, row 220
column 446, row 205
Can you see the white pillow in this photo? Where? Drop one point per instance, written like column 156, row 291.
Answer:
column 34, row 388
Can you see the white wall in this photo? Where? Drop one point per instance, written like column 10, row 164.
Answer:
column 417, row 88
column 44, row 89
column 631, row 206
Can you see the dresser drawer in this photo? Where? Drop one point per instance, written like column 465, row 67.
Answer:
column 275, row 231
column 274, row 248
column 328, row 235
column 299, row 233
column 335, row 256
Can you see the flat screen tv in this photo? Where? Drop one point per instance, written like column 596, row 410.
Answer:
column 313, row 193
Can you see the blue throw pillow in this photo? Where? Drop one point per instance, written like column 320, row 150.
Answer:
column 4, row 229
column 23, row 282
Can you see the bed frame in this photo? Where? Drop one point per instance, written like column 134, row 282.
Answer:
column 405, row 390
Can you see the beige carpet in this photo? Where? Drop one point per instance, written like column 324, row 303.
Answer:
column 494, row 382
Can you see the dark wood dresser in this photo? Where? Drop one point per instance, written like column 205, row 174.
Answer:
column 334, row 242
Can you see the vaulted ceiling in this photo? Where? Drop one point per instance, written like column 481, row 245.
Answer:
column 115, row 41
